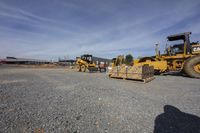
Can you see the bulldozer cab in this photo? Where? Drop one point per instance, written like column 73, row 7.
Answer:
column 186, row 47
column 175, row 49
column 87, row 58
column 181, row 48
column 195, row 47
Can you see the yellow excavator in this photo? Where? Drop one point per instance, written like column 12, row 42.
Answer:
column 181, row 57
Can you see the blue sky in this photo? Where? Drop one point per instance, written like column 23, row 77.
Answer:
column 48, row 29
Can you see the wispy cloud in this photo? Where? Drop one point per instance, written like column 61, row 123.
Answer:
column 103, row 28
column 18, row 13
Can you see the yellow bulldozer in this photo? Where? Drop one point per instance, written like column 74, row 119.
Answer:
column 181, row 57
column 86, row 63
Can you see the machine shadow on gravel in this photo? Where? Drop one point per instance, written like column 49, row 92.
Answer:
column 175, row 74
column 175, row 121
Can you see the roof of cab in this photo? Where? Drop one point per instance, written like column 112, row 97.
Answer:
column 180, row 36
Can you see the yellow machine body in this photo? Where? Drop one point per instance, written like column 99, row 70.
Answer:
column 158, row 65
column 184, row 57
column 85, row 63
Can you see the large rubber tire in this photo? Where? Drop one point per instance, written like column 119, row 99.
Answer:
column 189, row 66
column 83, row 68
column 157, row 72
column 102, row 70
column 79, row 68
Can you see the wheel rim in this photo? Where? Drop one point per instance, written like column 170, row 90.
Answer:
column 197, row 68
column 82, row 68
column 79, row 68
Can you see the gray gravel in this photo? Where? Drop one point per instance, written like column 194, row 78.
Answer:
column 60, row 100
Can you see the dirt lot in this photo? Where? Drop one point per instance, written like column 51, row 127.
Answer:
column 60, row 100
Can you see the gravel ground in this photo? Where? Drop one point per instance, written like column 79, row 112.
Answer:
column 59, row 100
